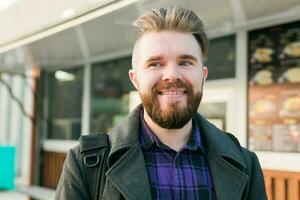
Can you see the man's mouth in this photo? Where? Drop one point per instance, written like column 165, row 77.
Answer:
column 172, row 91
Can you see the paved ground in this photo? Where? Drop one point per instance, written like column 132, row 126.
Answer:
column 11, row 195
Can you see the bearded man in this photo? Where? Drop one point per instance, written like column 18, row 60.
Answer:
column 164, row 149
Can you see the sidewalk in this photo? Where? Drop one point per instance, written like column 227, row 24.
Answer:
column 12, row 195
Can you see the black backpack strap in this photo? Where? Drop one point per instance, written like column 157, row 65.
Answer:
column 95, row 149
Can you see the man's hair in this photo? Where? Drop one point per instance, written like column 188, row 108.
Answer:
column 173, row 19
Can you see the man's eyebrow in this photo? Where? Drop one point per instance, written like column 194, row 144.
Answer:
column 188, row 56
column 154, row 58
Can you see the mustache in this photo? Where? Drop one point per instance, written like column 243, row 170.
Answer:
column 161, row 85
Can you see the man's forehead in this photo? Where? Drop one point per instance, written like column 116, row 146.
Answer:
column 153, row 44
column 167, row 36
column 163, row 43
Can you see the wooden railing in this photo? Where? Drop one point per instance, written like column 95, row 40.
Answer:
column 51, row 168
column 282, row 185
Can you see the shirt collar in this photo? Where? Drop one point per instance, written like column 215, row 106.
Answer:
column 147, row 138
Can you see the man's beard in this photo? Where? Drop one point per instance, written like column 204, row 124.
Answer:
column 175, row 116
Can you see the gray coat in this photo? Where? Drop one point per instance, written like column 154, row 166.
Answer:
column 235, row 171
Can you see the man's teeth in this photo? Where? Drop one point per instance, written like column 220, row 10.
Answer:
column 172, row 93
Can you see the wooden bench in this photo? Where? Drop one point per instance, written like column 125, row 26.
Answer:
column 282, row 185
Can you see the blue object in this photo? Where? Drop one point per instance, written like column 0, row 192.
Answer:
column 7, row 167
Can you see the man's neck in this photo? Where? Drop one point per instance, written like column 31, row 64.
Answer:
column 174, row 138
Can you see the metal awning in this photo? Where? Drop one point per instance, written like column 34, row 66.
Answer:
column 111, row 34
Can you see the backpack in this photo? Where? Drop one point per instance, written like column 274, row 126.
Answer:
column 94, row 149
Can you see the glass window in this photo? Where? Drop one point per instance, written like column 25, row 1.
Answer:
column 215, row 112
column 221, row 58
column 63, row 90
column 274, row 85
column 109, row 94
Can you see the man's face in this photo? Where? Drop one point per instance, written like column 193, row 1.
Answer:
column 168, row 74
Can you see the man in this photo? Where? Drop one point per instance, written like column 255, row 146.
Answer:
column 164, row 149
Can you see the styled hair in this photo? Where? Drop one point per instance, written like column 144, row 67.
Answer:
column 173, row 19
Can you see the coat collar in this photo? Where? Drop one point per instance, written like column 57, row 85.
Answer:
column 126, row 161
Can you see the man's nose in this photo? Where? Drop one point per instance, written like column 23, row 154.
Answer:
column 171, row 73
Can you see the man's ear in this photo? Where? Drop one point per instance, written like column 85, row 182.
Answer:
column 205, row 73
column 133, row 78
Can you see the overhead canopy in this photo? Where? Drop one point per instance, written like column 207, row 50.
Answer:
column 111, row 34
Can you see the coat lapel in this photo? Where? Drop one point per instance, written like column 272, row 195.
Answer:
column 229, row 182
column 127, row 173
column 225, row 160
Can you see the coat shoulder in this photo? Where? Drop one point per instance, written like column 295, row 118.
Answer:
column 93, row 141
column 234, row 139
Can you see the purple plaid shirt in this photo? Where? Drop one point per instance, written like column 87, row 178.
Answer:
column 176, row 175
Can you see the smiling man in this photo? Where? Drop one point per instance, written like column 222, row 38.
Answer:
column 164, row 149
column 168, row 77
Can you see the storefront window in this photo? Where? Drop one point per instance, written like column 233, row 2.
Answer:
column 63, row 91
column 214, row 112
column 274, row 88
column 110, row 89
column 221, row 58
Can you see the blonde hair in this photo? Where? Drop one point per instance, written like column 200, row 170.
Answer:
column 173, row 19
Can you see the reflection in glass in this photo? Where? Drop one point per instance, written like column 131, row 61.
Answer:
column 109, row 94
column 63, row 89
column 221, row 58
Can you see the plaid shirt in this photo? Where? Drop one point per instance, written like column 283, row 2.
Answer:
column 176, row 175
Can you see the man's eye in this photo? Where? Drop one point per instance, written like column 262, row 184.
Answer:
column 185, row 63
column 155, row 65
